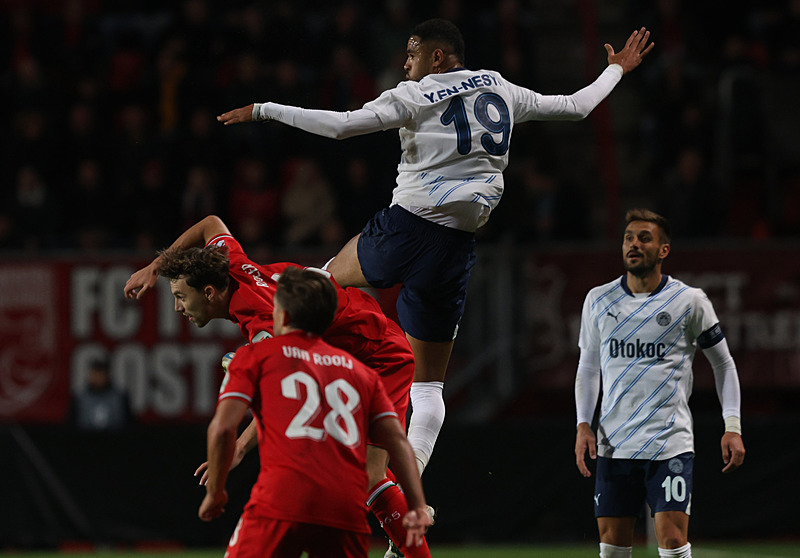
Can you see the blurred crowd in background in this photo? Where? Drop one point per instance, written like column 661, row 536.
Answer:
column 110, row 139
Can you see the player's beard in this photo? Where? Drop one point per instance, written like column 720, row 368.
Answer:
column 644, row 268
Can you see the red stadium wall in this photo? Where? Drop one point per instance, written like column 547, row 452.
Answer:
column 756, row 294
column 522, row 348
column 56, row 316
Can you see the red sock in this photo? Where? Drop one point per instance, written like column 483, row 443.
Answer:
column 388, row 504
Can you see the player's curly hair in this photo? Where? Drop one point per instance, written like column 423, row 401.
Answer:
column 641, row 214
column 198, row 266
column 309, row 297
column 444, row 32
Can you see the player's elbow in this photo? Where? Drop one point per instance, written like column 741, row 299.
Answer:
column 388, row 433
column 397, row 440
column 220, row 432
column 572, row 114
column 580, row 114
column 345, row 125
column 578, row 111
column 339, row 133
column 213, row 220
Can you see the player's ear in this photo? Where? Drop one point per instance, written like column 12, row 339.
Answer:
column 663, row 252
column 285, row 318
column 438, row 56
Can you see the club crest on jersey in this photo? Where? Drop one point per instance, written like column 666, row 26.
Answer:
column 663, row 319
column 675, row 465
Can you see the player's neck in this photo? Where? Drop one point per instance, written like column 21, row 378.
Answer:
column 223, row 308
column 448, row 67
column 449, row 63
column 284, row 329
column 646, row 284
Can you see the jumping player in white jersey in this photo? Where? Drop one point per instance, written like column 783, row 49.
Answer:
column 455, row 127
column 638, row 338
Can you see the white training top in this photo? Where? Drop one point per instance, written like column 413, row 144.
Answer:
column 646, row 344
column 455, row 130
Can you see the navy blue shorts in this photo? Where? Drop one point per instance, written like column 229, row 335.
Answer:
column 433, row 263
column 622, row 485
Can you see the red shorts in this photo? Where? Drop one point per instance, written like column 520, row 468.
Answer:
column 393, row 360
column 257, row 537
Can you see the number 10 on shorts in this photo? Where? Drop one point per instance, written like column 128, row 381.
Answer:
column 674, row 488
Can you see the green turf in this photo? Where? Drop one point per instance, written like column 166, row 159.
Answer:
column 748, row 550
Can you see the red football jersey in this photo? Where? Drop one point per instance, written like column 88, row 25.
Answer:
column 313, row 405
column 359, row 327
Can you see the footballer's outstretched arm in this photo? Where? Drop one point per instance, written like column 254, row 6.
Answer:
column 327, row 123
column 197, row 235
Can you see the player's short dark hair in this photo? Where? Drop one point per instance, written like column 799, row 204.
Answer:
column 198, row 266
column 444, row 32
column 309, row 297
column 641, row 214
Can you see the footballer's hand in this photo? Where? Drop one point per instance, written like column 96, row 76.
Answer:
column 732, row 451
column 213, row 506
column 236, row 116
column 416, row 522
column 203, row 468
column 635, row 49
column 141, row 281
column 585, row 440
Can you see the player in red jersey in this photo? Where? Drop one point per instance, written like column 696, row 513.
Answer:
column 223, row 283
column 314, row 406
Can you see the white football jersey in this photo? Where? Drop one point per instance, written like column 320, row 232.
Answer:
column 455, row 130
column 647, row 344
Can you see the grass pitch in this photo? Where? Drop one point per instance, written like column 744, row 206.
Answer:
column 709, row 550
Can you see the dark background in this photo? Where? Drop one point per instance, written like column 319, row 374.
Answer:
column 111, row 149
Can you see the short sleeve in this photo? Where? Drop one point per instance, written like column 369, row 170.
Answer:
column 702, row 321
column 392, row 107
column 240, row 381
column 524, row 102
column 380, row 406
column 228, row 242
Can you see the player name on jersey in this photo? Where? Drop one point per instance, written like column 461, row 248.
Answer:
column 253, row 270
column 483, row 80
column 316, row 358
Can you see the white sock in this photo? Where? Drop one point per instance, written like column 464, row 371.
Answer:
column 427, row 417
column 611, row 551
column 683, row 552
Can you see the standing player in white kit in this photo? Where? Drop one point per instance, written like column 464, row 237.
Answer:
column 455, row 126
column 638, row 337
